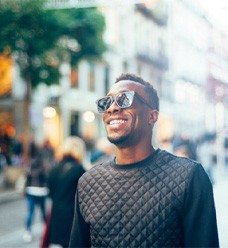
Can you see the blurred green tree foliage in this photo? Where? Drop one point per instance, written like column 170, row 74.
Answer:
column 39, row 39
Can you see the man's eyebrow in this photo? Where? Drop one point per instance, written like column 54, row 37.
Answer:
column 122, row 91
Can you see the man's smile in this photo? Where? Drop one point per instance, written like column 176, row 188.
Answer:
column 113, row 122
column 117, row 123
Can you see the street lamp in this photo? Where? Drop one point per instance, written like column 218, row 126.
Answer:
column 49, row 112
column 88, row 116
column 51, row 127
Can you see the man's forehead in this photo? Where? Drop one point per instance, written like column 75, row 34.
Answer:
column 126, row 85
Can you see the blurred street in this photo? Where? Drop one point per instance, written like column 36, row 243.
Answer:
column 12, row 215
column 13, row 211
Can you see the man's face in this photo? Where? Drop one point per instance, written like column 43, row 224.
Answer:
column 127, row 126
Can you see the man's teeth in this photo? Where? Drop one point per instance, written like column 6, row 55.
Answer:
column 117, row 122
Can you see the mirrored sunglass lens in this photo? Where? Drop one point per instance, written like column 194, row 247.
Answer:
column 124, row 100
column 104, row 103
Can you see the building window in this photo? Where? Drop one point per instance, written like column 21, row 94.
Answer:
column 91, row 77
column 74, row 124
column 74, row 78
column 125, row 66
column 107, row 79
column 139, row 69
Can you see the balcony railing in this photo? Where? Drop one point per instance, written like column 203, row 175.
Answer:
column 160, row 61
column 159, row 18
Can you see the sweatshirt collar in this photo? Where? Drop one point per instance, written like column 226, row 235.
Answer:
column 138, row 164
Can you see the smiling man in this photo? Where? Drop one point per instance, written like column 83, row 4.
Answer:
column 145, row 197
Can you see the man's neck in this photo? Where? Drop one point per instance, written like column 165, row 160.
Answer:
column 131, row 155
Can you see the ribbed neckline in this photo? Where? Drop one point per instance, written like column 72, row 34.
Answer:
column 141, row 163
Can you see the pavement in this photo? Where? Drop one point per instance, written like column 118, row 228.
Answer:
column 14, row 238
column 221, row 204
column 220, row 188
column 8, row 193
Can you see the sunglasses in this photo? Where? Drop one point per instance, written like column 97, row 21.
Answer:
column 123, row 100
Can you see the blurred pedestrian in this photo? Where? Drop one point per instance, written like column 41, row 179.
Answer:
column 185, row 147
column 3, row 162
column 103, row 151
column 48, row 155
column 205, row 152
column 17, row 153
column 145, row 196
column 36, row 192
column 33, row 148
column 6, row 146
column 63, row 180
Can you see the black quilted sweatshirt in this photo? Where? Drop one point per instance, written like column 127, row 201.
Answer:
column 162, row 201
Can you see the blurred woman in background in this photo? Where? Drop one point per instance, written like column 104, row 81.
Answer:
column 62, row 183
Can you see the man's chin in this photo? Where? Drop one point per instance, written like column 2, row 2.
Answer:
column 117, row 140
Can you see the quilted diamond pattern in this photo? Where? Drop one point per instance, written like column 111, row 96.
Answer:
column 136, row 205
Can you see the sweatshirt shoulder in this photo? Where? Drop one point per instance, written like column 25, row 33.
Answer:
column 178, row 165
column 173, row 160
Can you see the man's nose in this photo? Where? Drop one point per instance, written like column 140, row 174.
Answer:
column 113, row 107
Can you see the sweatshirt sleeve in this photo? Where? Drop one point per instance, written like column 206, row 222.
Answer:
column 80, row 233
column 199, row 215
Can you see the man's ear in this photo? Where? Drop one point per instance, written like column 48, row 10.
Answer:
column 153, row 116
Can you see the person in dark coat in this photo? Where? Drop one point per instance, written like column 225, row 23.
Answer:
column 62, row 182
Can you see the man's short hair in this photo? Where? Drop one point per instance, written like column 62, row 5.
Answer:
column 149, row 89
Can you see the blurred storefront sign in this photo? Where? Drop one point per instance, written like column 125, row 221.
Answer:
column 217, row 91
column 7, row 128
column 5, row 76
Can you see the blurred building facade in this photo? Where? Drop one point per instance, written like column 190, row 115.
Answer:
column 172, row 44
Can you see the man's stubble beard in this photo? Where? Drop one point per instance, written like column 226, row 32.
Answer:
column 128, row 139
column 125, row 140
column 119, row 140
